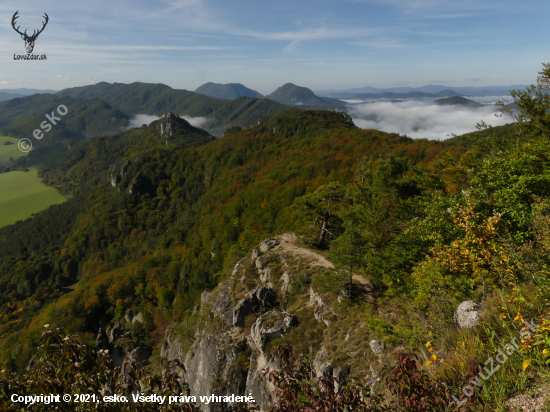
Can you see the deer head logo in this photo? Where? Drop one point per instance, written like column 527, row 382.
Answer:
column 29, row 40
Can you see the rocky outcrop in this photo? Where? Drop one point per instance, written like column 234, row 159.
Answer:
column 268, row 244
column 377, row 346
column 117, row 174
column 138, row 318
column 260, row 298
column 321, row 311
column 227, row 358
column 129, row 315
column 213, row 367
column 467, row 314
column 166, row 126
column 269, row 326
column 172, row 348
column 119, row 345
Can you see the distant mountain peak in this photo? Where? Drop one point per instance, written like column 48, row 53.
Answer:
column 228, row 91
column 294, row 95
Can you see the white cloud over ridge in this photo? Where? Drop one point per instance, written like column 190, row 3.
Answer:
column 196, row 121
column 423, row 119
column 141, row 119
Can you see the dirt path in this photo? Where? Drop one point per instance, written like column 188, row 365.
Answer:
column 288, row 246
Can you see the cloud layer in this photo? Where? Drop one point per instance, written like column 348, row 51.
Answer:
column 423, row 120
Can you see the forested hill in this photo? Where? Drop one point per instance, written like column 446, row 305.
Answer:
column 19, row 117
column 173, row 220
column 157, row 99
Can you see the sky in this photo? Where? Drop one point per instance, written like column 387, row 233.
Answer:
column 320, row 44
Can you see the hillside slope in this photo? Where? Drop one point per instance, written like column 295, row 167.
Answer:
column 168, row 200
column 19, row 117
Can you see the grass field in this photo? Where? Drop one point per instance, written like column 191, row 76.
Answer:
column 10, row 150
column 22, row 194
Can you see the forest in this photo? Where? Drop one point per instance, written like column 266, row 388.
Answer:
column 152, row 222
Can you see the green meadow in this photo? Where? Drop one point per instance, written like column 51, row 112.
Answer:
column 7, row 151
column 22, row 194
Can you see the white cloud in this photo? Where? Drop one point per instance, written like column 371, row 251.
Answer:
column 140, row 119
column 421, row 119
column 491, row 99
column 197, row 121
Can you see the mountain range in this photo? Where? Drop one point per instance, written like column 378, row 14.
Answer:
column 105, row 108
column 157, row 99
column 432, row 89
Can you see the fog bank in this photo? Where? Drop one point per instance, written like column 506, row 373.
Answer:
column 423, row 119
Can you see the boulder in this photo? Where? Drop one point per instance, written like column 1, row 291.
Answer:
column 467, row 314
column 268, row 244
column 255, row 254
column 138, row 318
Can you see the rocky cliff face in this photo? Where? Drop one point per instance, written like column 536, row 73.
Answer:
column 267, row 299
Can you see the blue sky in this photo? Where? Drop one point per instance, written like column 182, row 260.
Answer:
column 320, row 44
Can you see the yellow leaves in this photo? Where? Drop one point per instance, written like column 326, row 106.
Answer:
column 431, row 349
column 434, row 358
column 545, row 352
column 526, row 364
column 428, row 363
column 428, row 344
column 518, row 316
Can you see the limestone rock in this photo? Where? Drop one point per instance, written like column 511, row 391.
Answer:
column 265, row 275
column 270, row 326
column 114, row 333
column 261, row 297
column 205, row 295
column 377, row 346
column 321, row 312
column 467, row 314
column 211, row 359
column 255, row 254
column 321, row 363
column 166, row 126
column 138, row 318
column 262, row 390
column 129, row 315
column 261, row 262
column 171, row 347
column 268, row 244
column 285, row 286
